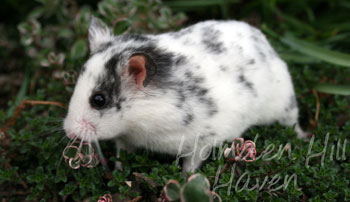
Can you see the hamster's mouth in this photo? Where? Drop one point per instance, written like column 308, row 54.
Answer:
column 70, row 135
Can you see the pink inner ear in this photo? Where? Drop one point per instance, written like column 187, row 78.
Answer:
column 137, row 68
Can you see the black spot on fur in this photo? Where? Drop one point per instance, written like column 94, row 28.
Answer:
column 182, row 98
column 223, row 68
column 119, row 103
column 243, row 80
column 248, row 84
column 210, row 105
column 256, row 39
column 197, row 90
column 109, row 82
column 260, row 52
column 196, row 79
column 180, row 60
column 159, row 67
column 82, row 70
column 118, row 106
column 161, row 63
column 135, row 37
column 193, row 88
column 188, row 119
column 210, row 134
column 103, row 47
column 210, row 38
column 179, row 91
column 251, row 62
column 189, row 75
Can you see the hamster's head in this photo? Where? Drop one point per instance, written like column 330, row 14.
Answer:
column 112, row 78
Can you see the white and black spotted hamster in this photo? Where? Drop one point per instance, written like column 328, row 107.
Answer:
column 204, row 84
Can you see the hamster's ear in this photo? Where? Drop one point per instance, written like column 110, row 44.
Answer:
column 99, row 34
column 142, row 69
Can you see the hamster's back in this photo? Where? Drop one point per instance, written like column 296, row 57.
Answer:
column 247, row 80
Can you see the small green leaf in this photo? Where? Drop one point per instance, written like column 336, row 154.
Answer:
column 65, row 33
column 330, row 195
column 347, row 195
column 121, row 27
column 112, row 183
column 318, row 52
column 199, row 180
column 68, row 189
column 172, row 190
column 298, row 24
column 79, row 49
column 333, row 89
column 194, row 191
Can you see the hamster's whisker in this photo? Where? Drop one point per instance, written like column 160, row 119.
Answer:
column 54, row 121
column 57, row 143
column 47, row 133
column 50, row 119
column 100, row 154
column 90, row 138
column 90, row 146
column 53, row 150
column 72, row 141
column 63, row 138
column 81, row 144
column 59, row 162
column 53, row 130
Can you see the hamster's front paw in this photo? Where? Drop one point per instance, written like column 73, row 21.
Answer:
column 190, row 164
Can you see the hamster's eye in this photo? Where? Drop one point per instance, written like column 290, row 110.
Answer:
column 98, row 100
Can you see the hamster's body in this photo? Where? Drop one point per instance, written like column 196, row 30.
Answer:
column 210, row 82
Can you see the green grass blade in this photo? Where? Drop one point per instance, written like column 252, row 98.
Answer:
column 21, row 93
column 334, row 89
column 269, row 31
column 299, row 25
column 318, row 52
column 298, row 58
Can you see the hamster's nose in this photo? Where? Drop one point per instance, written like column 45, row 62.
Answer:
column 88, row 125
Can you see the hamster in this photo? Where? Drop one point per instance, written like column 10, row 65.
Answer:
column 180, row 92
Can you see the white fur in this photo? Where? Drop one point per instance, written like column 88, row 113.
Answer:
column 155, row 123
column 99, row 34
